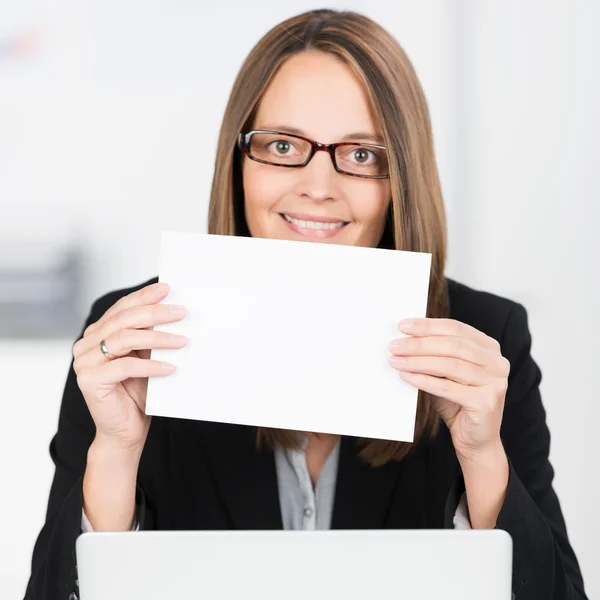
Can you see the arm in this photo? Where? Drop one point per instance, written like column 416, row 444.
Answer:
column 86, row 526
column 53, row 572
column 53, row 569
column 544, row 564
column 109, row 487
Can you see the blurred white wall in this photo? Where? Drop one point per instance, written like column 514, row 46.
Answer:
column 107, row 136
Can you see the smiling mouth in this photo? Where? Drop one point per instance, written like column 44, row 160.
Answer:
column 316, row 224
column 313, row 228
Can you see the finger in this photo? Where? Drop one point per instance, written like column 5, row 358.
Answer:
column 442, row 388
column 449, row 327
column 137, row 317
column 151, row 294
column 452, row 347
column 457, row 370
column 125, row 341
column 121, row 369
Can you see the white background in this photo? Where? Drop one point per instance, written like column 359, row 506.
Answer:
column 107, row 136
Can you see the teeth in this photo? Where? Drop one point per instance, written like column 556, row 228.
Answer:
column 313, row 224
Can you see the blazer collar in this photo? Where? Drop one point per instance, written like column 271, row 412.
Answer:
column 246, row 479
column 378, row 497
column 244, row 475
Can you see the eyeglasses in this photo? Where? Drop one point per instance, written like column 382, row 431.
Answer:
column 282, row 149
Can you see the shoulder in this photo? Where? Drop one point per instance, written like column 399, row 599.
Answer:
column 103, row 303
column 492, row 314
column 506, row 321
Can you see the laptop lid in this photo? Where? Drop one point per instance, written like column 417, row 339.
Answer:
column 295, row 565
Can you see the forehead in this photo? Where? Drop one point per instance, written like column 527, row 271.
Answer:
column 319, row 94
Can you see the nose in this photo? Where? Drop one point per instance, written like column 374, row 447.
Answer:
column 319, row 179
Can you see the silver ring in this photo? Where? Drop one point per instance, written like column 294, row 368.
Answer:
column 105, row 351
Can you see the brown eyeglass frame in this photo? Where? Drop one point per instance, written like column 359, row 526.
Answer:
column 244, row 146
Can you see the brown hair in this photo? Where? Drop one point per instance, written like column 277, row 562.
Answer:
column 416, row 219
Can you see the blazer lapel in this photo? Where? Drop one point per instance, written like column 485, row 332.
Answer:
column 245, row 478
column 366, row 497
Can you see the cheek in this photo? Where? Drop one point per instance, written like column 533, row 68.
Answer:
column 369, row 202
column 261, row 193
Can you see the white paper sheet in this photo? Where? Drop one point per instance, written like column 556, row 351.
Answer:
column 290, row 335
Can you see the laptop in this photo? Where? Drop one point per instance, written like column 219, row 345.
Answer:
column 295, row 565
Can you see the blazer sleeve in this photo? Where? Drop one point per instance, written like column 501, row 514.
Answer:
column 53, row 567
column 544, row 564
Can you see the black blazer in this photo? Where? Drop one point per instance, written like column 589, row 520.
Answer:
column 199, row 475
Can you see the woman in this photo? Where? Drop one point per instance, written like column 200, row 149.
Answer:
column 326, row 137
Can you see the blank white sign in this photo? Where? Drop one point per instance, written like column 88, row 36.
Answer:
column 289, row 335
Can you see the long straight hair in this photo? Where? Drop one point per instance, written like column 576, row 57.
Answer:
column 416, row 219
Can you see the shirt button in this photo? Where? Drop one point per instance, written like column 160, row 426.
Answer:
column 308, row 512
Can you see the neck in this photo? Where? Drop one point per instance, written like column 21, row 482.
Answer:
column 317, row 450
column 321, row 438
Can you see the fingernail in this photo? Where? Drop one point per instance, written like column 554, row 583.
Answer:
column 168, row 367
column 396, row 346
column 177, row 310
column 398, row 360
column 177, row 339
column 161, row 287
column 407, row 324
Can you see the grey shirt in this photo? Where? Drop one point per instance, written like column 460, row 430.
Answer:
column 302, row 505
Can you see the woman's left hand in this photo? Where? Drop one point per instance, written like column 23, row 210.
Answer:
column 465, row 371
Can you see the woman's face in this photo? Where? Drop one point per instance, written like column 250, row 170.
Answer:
column 317, row 96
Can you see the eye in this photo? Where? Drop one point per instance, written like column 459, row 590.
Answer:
column 361, row 155
column 281, row 146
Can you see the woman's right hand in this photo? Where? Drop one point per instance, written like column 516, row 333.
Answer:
column 115, row 389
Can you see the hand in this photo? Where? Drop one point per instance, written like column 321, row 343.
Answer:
column 466, row 373
column 115, row 390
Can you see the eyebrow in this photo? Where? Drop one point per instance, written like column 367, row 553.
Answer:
column 358, row 135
